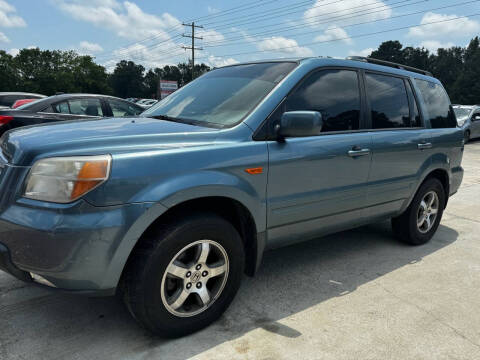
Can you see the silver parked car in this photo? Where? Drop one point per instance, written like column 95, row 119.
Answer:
column 468, row 118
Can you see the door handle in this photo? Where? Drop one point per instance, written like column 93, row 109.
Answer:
column 423, row 146
column 356, row 151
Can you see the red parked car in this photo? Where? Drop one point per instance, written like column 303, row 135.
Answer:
column 22, row 102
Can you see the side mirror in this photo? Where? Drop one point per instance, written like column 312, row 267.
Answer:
column 476, row 117
column 299, row 124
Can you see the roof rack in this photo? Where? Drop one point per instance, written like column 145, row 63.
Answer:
column 390, row 64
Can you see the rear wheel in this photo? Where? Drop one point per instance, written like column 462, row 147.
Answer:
column 184, row 278
column 420, row 221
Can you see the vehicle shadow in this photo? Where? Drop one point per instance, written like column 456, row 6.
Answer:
column 290, row 280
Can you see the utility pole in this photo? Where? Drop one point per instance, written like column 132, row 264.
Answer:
column 193, row 48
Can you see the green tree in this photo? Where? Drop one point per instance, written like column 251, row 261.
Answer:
column 389, row 51
column 9, row 77
column 466, row 89
column 127, row 79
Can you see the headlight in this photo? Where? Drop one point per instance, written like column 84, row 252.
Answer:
column 65, row 179
column 461, row 122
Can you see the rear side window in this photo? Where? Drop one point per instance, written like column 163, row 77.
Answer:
column 333, row 93
column 89, row 107
column 388, row 101
column 123, row 108
column 61, row 108
column 439, row 111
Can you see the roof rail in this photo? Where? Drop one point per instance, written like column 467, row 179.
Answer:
column 390, row 64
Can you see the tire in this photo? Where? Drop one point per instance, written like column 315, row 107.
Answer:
column 467, row 136
column 148, row 286
column 406, row 226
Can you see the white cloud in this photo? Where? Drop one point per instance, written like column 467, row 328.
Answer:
column 167, row 53
column 8, row 17
column 284, row 45
column 455, row 28
column 212, row 10
column 353, row 10
column 126, row 19
column 209, row 35
column 334, row 33
column 13, row 52
column 4, row 38
column 434, row 45
column 156, row 45
column 86, row 47
column 364, row 52
column 214, row 61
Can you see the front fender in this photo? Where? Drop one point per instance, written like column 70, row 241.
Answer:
column 176, row 191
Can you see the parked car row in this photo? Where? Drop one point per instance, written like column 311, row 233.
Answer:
column 468, row 118
column 66, row 107
column 15, row 99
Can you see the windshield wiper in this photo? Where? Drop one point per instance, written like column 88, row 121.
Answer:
column 168, row 118
column 188, row 121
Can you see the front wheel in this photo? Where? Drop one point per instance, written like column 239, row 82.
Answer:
column 185, row 276
column 418, row 224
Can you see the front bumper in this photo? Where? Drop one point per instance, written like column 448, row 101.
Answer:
column 75, row 247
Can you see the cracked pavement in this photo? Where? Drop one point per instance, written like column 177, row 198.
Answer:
column 356, row 294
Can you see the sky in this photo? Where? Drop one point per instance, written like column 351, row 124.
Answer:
column 150, row 32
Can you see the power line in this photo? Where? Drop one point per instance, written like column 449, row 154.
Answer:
column 224, row 43
column 350, row 37
column 311, row 17
column 386, row 7
column 159, row 34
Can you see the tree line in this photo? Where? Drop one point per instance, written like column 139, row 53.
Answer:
column 49, row 72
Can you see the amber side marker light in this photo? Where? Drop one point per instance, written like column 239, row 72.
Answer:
column 254, row 171
column 91, row 175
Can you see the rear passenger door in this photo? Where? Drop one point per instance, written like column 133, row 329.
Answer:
column 316, row 184
column 401, row 146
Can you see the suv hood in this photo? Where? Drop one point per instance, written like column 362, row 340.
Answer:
column 100, row 136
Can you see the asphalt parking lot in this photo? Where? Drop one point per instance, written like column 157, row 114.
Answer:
column 358, row 294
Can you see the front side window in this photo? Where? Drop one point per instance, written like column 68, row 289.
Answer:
column 222, row 97
column 121, row 108
column 333, row 93
column 89, row 107
column 389, row 106
column 439, row 111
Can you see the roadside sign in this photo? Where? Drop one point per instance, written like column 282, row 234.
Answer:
column 167, row 87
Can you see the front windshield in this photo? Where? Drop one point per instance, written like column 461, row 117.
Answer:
column 462, row 114
column 222, row 97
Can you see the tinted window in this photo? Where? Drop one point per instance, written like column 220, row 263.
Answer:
column 89, row 107
column 122, row 108
column 61, row 108
column 8, row 100
column 222, row 97
column 416, row 120
column 388, row 101
column 439, row 111
column 333, row 93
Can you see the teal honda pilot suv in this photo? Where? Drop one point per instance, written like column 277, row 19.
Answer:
column 170, row 209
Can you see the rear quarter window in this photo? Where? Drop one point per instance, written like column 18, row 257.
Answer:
column 439, row 111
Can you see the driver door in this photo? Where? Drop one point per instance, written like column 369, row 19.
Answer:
column 317, row 184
